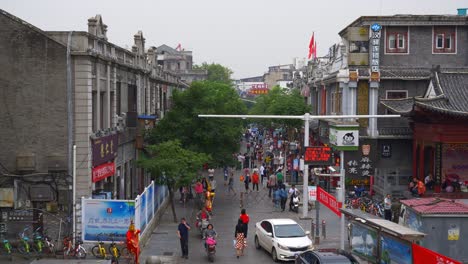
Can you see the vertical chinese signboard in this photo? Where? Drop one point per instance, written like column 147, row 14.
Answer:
column 104, row 149
column 375, row 47
column 438, row 164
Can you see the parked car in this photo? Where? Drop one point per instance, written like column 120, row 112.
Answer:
column 283, row 238
column 324, row 256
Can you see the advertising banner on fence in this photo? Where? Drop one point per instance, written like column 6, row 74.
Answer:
column 394, row 250
column 364, row 242
column 102, row 219
column 422, row 255
column 329, row 201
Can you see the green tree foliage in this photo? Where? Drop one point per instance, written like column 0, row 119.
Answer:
column 218, row 137
column 172, row 165
column 281, row 102
column 216, row 72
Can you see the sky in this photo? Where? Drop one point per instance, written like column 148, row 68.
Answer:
column 245, row 35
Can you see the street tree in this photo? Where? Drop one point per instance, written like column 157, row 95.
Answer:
column 214, row 136
column 173, row 166
column 281, row 102
column 216, row 72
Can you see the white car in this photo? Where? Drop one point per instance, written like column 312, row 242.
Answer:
column 283, row 238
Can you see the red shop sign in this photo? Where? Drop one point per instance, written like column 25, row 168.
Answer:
column 329, row 201
column 103, row 171
column 318, row 156
column 422, row 255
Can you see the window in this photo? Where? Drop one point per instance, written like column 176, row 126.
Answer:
column 397, row 94
column 444, row 40
column 396, row 40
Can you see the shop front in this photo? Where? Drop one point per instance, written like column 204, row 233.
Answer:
column 104, row 153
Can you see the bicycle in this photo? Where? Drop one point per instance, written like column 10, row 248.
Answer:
column 6, row 249
column 38, row 243
column 24, row 246
column 49, row 247
column 113, row 249
column 99, row 251
column 77, row 251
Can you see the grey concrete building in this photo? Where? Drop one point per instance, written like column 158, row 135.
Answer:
column 60, row 89
column 179, row 62
column 384, row 57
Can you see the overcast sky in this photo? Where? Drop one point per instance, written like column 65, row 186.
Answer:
column 244, row 35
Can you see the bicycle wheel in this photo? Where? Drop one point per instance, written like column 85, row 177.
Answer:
column 95, row 251
column 21, row 248
column 80, row 253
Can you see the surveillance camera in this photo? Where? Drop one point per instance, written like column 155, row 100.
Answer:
column 331, row 169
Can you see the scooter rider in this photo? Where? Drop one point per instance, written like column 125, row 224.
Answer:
column 293, row 192
column 202, row 216
column 209, row 232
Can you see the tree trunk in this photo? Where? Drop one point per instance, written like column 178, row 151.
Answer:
column 171, row 197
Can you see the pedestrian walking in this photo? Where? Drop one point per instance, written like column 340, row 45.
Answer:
column 262, row 172
column 276, row 198
column 231, row 183
column 247, row 182
column 283, row 197
column 182, row 232
column 388, row 207
column 272, row 184
column 279, row 175
column 244, row 217
column 226, row 174
column 240, row 241
column 255, row 180
column 211, row 174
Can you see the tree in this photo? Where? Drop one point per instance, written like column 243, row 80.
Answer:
column 172, row 165
column 216, row 72
column 218, row 137
column 281, row 102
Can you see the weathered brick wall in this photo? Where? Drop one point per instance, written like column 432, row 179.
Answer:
column 33, row 105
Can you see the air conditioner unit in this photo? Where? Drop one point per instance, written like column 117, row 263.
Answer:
column 56, row 163
column 41, row 193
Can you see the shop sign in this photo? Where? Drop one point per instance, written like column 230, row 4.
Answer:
column 329, row 201
column 103, row 171
column 375, row 47
column 386, row 151
column 318, row 156
column 104, row 149
column 344, row 138
column 312, row 193
column 438, row 163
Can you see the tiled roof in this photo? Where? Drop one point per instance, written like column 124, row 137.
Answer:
column 436, row 206
column 452, row 94
column 398, row 73
column 400, row 106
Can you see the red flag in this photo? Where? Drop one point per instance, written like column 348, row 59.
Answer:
column 422, row 255
column 311, row 46
column 179, row 47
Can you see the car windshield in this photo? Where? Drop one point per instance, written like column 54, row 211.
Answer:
column 293, row 230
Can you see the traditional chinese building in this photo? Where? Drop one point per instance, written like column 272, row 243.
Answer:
column 440, row 128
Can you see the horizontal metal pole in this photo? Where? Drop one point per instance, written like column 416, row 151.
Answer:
column 302, row 117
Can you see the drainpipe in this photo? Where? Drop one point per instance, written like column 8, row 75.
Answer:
column 70, row 121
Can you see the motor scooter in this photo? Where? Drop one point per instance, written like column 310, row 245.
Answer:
column 295, row 205
column 210, row 248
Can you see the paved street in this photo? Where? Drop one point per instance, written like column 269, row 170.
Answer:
column 226, row 211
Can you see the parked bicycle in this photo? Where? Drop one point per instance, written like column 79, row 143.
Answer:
column 70, row 250
column 113, row 249
column 24, row 246
column 6, row 249
column 38, row 243
column 99, row 251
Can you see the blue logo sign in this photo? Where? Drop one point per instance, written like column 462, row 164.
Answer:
column 376, row 27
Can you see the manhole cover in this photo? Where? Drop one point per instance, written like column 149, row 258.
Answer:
column 168, row 253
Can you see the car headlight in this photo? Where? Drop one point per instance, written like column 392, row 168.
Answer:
column 282, row 247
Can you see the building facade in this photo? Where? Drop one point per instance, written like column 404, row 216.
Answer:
column 383, row 57
column 65, row 89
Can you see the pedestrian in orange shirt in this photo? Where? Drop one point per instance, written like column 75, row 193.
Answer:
column 255, row 180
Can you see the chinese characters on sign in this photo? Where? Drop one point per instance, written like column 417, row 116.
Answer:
column 318, row 156
column 386, row 151
column 363, row 167
column 103, row 171
column 312, row 193
column 329, row 201
column 259, row 89
column 104, row 149
column 438, row 163
column 375, row 47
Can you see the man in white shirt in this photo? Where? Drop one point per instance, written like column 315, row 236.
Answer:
column 262, row 172
column 388, row 207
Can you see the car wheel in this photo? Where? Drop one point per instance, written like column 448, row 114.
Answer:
column 257, row 243
column 274, row 256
